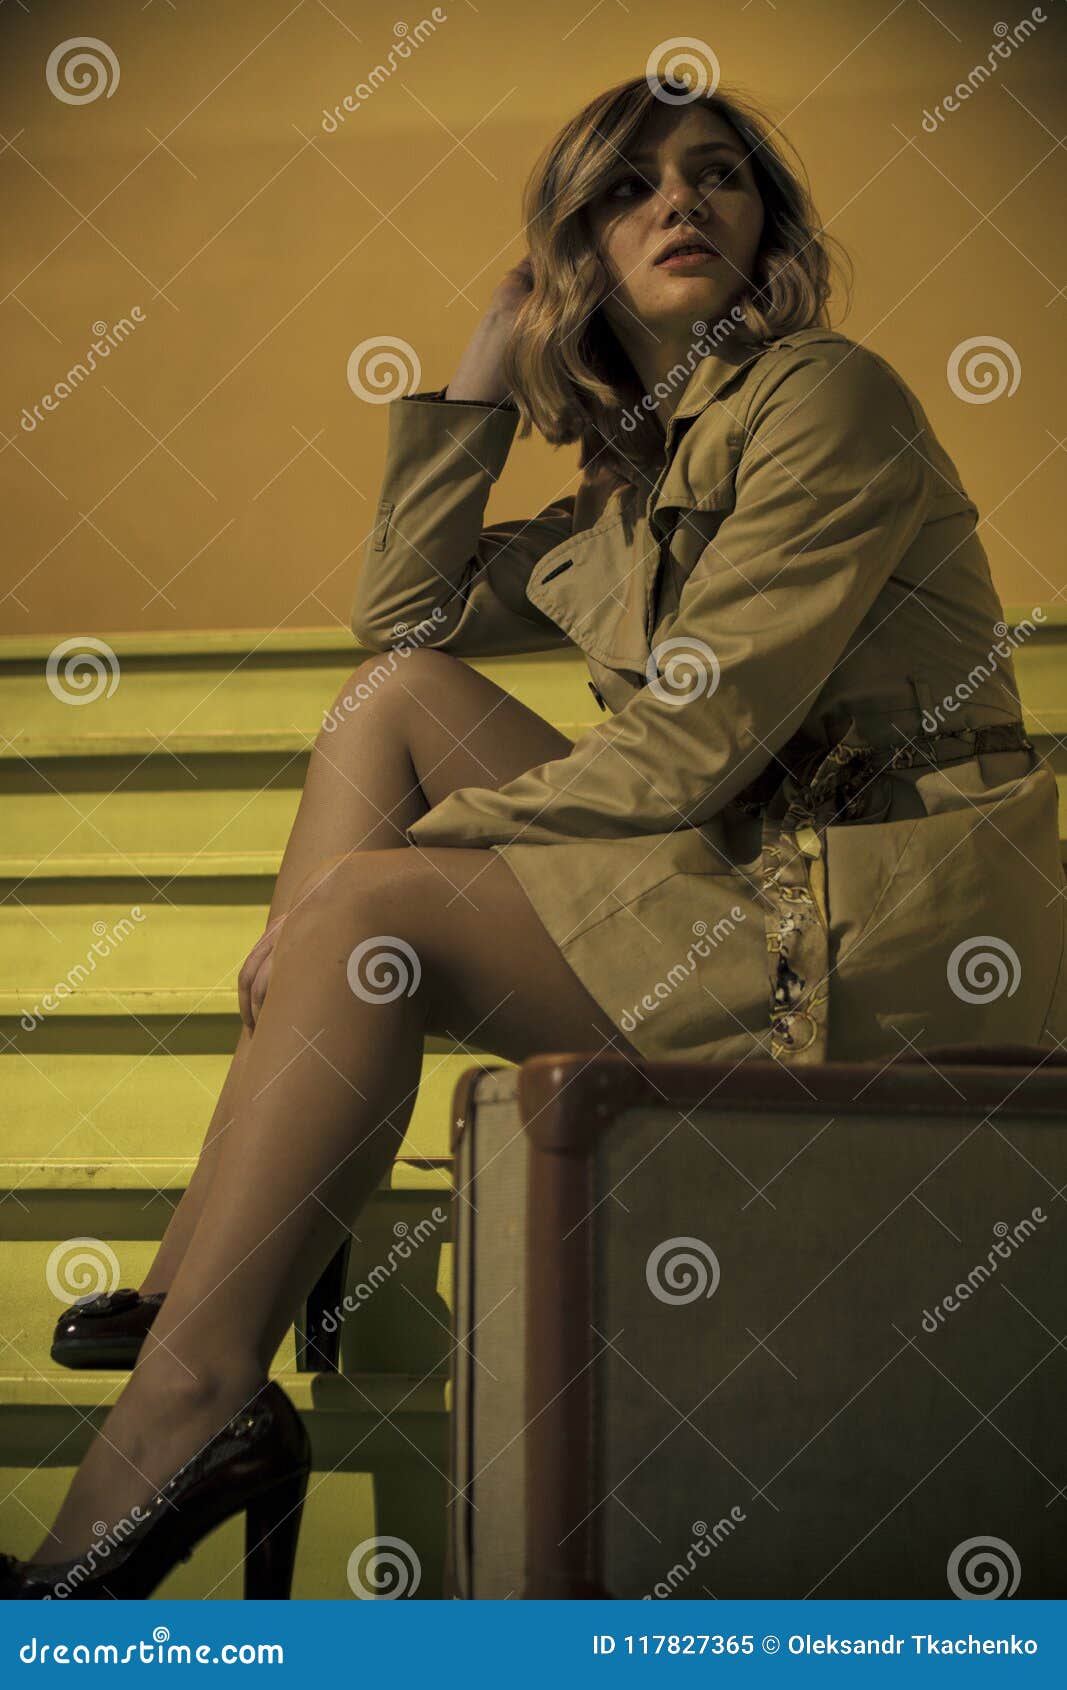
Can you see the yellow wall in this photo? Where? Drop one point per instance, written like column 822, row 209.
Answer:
column 217, row 470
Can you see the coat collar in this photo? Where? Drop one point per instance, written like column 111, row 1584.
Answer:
column 588, row 585
column 710, row 375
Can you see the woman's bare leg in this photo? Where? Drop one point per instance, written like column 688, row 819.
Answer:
column 419, row 725
column 322, row 1102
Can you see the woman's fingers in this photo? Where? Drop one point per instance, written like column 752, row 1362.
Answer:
column 262, row 948
column 260, row 984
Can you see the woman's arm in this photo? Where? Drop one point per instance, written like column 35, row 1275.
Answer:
column 428, row 552
column 830, row 493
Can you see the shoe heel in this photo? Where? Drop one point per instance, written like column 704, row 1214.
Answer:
column 272, row 1527
column 318, row 1346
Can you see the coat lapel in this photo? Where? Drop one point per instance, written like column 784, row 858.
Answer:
column 599, row 586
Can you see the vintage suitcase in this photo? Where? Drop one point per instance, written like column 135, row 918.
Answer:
column 757, row 1331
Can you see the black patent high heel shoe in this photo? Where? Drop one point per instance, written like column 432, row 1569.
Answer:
column 258, row 1463
column 108, row 1330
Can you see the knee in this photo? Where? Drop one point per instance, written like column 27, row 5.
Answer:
column 355, row 883
column 389, row 679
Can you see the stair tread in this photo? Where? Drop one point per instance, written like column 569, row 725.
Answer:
column 178, row 1002
column 136, row 1173
column 379, row 1393
column 30, row 747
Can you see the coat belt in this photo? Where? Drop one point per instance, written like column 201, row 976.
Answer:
column 837, row 775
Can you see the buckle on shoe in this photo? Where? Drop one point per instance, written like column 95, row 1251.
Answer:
column 109, row 1302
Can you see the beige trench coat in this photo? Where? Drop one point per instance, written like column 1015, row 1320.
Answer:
column 809, row 825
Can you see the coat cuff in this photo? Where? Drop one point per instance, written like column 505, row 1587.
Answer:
column 423, row 425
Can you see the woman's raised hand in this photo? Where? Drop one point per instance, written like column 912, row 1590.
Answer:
column 479, row 376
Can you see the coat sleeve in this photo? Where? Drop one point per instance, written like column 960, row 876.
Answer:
column 830, row 492
column 428, row 558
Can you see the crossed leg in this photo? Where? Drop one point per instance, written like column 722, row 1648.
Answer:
column 317, row 1110
column 415, row 728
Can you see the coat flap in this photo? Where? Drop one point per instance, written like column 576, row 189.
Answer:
column 700, row 475
column 597, row 587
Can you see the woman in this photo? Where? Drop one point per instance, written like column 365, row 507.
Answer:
column 762, row 499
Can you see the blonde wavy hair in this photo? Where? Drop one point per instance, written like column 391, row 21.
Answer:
column 569, row 375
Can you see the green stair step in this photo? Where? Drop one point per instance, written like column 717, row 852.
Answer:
column 94, row 1090
column 59, row 1245
column 197, row 688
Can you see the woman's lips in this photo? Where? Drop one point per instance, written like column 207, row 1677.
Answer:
column 688, row 260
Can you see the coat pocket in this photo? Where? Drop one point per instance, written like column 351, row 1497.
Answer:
column 941, row 926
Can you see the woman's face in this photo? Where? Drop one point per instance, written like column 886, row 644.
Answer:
column 686, row 169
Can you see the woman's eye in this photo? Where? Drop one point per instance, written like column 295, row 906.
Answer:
column 640, row 184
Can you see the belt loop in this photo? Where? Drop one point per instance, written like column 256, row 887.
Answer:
column 928, row 722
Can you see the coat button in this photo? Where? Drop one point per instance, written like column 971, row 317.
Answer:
column 596, row 695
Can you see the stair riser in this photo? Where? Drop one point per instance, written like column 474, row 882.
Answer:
column 93, row 1092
